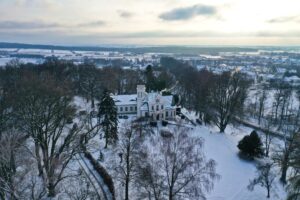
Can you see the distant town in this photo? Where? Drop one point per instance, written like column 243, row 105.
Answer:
column 260, row 64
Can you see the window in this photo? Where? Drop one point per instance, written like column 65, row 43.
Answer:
column 157, row 107
column 131, row 108
column 167, row 114
column 121, row 109
column 162, row 116
column 146, row 114
column 126, row 109
column 135, row 108
column 152, row 107
column 162, row 107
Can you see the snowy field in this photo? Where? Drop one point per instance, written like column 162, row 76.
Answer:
column 5, row 60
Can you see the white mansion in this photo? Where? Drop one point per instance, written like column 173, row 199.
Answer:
column 143, row 104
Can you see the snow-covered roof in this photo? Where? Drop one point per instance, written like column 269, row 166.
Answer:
column 125, row 99
column 145, row 107
column 150, row 98
column 168, row 101
column 292, row 78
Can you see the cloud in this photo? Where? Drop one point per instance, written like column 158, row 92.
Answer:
column 48, row 4
column 285, row 19
column 125, row 14
column 92, row 24
column 157, row 37
column 39, row 25
column 26, row 25
column 280, row 34
column 166, row 34
column 188, row 12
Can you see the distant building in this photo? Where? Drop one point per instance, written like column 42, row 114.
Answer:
column 153, row 105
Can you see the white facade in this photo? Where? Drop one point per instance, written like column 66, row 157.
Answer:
column 144, row 104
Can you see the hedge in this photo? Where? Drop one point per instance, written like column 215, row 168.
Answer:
column 103, row 173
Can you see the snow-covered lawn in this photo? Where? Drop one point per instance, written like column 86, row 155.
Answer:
column 235, row 173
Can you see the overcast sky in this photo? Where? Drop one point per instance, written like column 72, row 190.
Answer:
column 151, row 22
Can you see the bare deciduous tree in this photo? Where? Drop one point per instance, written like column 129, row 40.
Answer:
column 261, row 103
column 227, row 98
column 268, row 137
column 89, row 81
column 176, row 167
column 284, row 154
column 46, row 115
column 128, row 150
column 294, row 181
column 265, row 178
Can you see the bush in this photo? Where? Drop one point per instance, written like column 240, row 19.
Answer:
column 207, row 118
column 199, row 121
column 101, row 157
column 153, row 123
column 166, row 133
column 251, row 145
column 164, row 122
column 94, row 113
column 82, row 113
column 107, row 179
column 69, row 120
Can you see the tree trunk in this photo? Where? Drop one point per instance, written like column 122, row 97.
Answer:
column 268, row 196
column 127, row 188
column 127, row 172
column 51, row 190
column 106, row 143
column 38, row 157
column 93, row 101
column 222, row 128
column 12, row 161
column 267, row 152
column 283, row 173
column 284, row 167
column 170, row 195
column 106, row 137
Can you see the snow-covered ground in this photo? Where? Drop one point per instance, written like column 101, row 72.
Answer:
column 235, row 173
column 5, row 60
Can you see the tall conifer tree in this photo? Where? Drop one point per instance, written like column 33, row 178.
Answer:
column 108, row 118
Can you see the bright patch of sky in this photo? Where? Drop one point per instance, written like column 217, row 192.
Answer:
column 151, row 22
